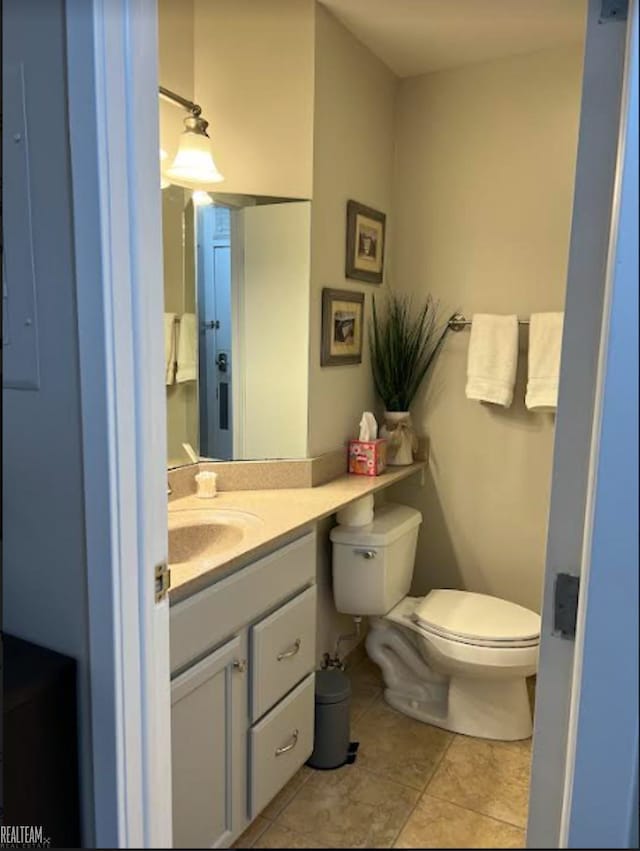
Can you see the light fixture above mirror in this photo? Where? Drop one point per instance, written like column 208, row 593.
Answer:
column 193, row 166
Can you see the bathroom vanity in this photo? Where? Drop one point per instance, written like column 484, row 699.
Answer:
column 242, row 693
column 243, row 649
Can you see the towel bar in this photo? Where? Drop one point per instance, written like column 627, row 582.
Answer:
column 459, row 322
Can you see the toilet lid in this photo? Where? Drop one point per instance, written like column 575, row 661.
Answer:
column 473, row 617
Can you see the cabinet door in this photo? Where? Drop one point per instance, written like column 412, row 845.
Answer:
column 207, row 718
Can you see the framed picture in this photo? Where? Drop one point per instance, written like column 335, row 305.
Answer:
column 342, row 321
column 365, row 243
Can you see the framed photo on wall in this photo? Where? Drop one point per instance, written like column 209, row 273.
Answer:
column 365, row 243
column 342, row 323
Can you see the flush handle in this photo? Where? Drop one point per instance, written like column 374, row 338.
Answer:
column 368, row 554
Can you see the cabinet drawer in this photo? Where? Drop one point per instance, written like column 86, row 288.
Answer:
column 280, row 744
column 283, row 651
column 208, row 617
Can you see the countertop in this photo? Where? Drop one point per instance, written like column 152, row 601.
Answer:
column 280, row 513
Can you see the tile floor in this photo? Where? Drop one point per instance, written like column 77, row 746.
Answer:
column 412, row 786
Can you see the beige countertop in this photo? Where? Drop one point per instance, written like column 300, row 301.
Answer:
column 278, row 514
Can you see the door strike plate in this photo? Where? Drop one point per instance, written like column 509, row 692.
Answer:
column 565, row 612
column 613, row 10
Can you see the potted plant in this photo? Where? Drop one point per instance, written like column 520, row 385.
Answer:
column 404, row 344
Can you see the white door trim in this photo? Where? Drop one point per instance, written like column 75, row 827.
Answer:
column 238, row 356
column 620, row 270
column 113, row 123
column 588, row 258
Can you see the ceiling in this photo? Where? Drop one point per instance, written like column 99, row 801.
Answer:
column 418, row 36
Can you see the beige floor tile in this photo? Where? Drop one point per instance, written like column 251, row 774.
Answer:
column 280, row 837
column 277, row 804
column 348, row 808
column 252, row 833
column 485, row 776
column 356, row 656
column 397, row 747
column 367, row 673
column 438, row 824
column 366, row 686
column 363, row 696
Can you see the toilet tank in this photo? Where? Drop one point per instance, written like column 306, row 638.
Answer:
column 372, row 565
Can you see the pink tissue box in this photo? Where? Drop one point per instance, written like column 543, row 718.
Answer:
column 367, row 457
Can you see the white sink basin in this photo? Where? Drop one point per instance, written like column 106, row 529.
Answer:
column 202, row 534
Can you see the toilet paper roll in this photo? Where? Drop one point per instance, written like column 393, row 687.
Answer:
column 358, row 513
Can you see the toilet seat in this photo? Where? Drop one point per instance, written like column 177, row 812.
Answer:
column 495, row 658
column 461, row 639
column 476, row 619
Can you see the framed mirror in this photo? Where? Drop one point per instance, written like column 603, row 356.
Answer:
column 236, row 287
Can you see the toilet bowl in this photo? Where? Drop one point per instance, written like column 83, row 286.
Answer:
column 455, row 659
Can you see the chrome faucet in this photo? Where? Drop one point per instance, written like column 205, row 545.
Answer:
column 169, row 491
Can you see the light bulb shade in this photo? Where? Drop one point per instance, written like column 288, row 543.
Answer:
column 193, row 166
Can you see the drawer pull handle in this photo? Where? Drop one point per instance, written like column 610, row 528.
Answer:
column 287, row 654
column 240, row 665
column 290, row 746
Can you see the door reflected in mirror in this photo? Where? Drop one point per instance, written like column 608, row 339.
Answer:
column 236, row 283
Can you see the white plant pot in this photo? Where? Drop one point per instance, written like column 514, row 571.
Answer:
column 398, row 431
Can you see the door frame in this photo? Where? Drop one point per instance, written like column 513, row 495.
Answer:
column 605, row 680
column 112, row 74
column 113, row 118
column 576, row 451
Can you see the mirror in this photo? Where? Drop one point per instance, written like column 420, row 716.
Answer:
column 236, row 288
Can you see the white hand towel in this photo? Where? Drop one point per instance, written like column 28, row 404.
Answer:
column 187, row 349
column 492, row 359
column 169, row 347
column 545, row 343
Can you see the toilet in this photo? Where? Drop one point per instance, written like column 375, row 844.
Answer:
column 455, row 659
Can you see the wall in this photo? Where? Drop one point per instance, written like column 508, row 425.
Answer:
column 43, row 546
column 175, row 66
column 352, row 158
column 254, row 81
column 274, row 330
column 483, row 190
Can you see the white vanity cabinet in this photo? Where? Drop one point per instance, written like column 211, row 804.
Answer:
column 242, row 693
column 207, row 733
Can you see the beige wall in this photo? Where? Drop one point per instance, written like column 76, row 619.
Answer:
column 254, row 80
column 175, row 66
column 353, row 158
column 274, row 331
column 483, row 190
